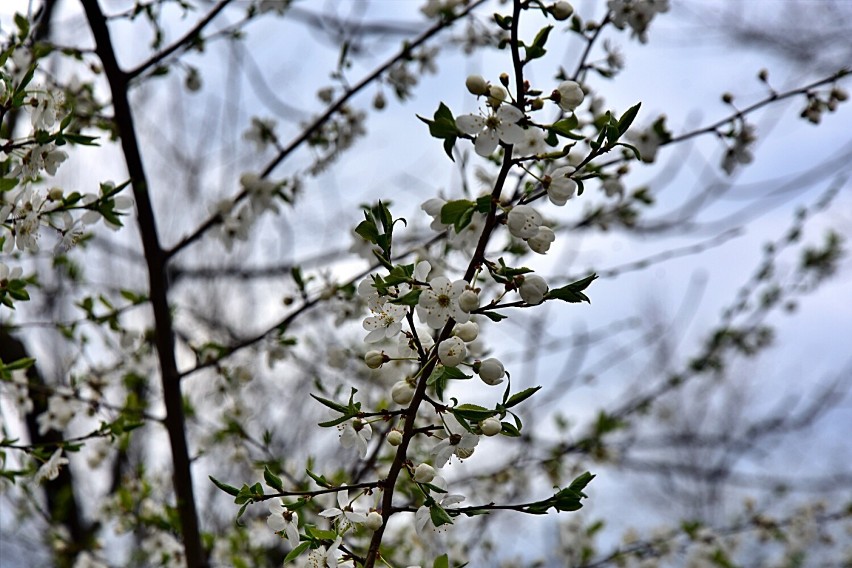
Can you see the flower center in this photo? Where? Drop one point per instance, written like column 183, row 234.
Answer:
column 455, row 439
column 443, row 300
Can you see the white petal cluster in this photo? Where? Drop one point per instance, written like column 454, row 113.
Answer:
column 50, row 469
column 282, row 519
column 458, row 441
column 356, row 434
column 499, row 126
column 491, row 371
column 533, row 289
column 637, row 14
column 560, row 187
column 440, row 302
column 523, row 221
column 569, row 95
column 452, row 351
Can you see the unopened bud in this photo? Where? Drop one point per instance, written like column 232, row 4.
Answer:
column 424, row 473
column 561, row 10
column 476, row 85
column 490, row 426
column 375, row 359
column 374, row 521
column 394, row 437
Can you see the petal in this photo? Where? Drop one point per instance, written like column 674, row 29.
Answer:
column 486, row 143
column 470, row 124
column 511, row 133
column 508, row 113
column 292, row 535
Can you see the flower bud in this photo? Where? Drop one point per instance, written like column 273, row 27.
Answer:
column 476, row 85
column 375, row 359
column 55, row 194
column 496, row 95
column 379, row 101
column 452, row 352
column 402, row 392
column 568, row 95
column 533, row 289
column 424, row 473
column 491, row 371
column 561, row 10
column 504, row 79
column 374, row 521
column 490, row 426
column 467, row 332
column 468, row 301
column 394, row 437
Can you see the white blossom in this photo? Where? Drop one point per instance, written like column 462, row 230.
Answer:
column 541, row 242
column 458, row 441
column 531, row 144
column 490, row 427
column 569, row 95
column 344, row 513
column 432, row 207
column 561, row 187
column 523, row 221
column 452, row 351
column 325, row 557
column 440, row 302
column 468, row 301
column 424, row 473
column 60, row 411
column 282, row 519
column 467, row 332
column 499, row 126
column 356, row 434
column 402, row 392
column 476, row 85
column 533, row 289
column 49, row 470
column 491, row 371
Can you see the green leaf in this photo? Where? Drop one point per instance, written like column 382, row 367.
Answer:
column 368, row 231
column 272, row 480
column 580, row 482
column 518, row 398
column 494, row 316
column 7, row 183
column 537, row 50
column 565, row 126
column 504, row 22
column 296, row 552
column 410, row 299
column 320, row 479
column 23, row 25
column 472, row 412
column 229, row 489
column 483, row 204
column 439, row 516
column 510, row 430
column 331, row 404
column 322, row 534
column 573, row 292
column 334, row 421
column 442, row 561
column 452, row 211
column 627, row 119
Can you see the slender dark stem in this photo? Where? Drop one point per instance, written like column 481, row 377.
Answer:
column 183, row 42
column 409, row 430
column 158, row 286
